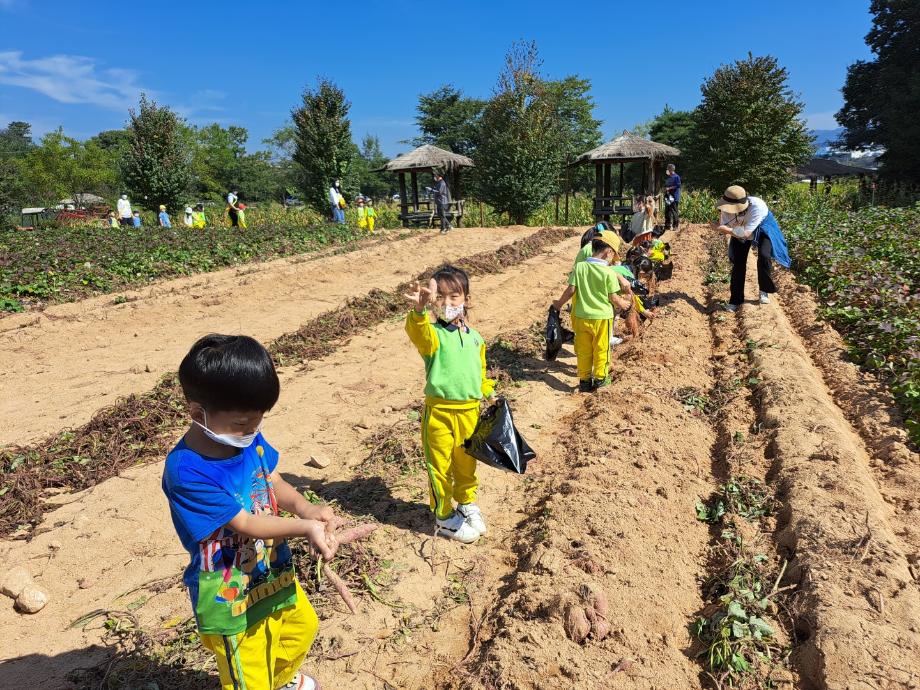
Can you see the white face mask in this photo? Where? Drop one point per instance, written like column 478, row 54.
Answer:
column 228, row 439
column 451, row 313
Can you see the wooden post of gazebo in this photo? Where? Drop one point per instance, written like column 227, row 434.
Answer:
column 427, row 158
column 626, row 148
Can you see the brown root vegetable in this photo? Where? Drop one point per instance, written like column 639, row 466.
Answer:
column 340, row 587
column 355, row 533
column 600, row 603
column 600, row 628
column 576, row 624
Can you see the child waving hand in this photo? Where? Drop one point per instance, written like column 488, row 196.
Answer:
column 455, row 372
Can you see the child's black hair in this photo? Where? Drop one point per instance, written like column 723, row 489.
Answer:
column 453, row 277
column 598, row 245
column 229, row 373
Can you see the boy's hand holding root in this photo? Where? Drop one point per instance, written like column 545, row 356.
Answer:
column 421, row 295
column 346, row 537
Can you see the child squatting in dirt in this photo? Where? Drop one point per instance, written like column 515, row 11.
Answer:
column 455, row 372
column 595, row 285
column 225, row 493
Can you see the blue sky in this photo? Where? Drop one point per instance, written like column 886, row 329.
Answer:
column 81, row 65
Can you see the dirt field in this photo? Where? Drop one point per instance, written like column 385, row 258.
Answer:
column 608, row 505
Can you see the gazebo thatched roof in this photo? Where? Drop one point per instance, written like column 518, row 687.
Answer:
column 627, row 147
column 426, row 157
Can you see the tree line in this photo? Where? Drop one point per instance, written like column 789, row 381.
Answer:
column 747, row 129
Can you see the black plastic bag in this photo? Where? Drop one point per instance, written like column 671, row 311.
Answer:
column 554, row 334
column 497, row 443
column 664, row 271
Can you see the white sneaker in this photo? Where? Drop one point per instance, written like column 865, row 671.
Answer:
column 473, row 517
column 614, row 341
column 731, row 307
column 301, row 682
column 457, row 528
column 764, row 298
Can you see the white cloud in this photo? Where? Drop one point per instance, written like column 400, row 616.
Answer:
column 821, row 120
column 72, row 79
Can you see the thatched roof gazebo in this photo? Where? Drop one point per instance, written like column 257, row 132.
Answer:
column 626, row 148
column 824, row 167
column 427, row 158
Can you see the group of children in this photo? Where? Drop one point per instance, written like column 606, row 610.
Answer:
column 610, row 278
column 367, row 214
column 226, row 493
column 194, row 218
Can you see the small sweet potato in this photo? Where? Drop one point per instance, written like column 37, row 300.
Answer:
column 576, row 624
column 355, row 533
column 600, row 628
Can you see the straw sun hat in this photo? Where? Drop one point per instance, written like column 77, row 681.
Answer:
column 735, row 200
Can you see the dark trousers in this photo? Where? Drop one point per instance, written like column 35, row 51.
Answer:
column 671, row 215
column 738, row 254
column 444, row 215
column 126, row 222
column 234, row 217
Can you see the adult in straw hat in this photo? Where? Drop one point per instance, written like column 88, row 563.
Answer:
column 748, row 221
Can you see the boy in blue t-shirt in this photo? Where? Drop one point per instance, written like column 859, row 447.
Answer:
column 163, row 217
column 225, row 494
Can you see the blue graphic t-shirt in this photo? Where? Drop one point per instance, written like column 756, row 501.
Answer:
column 234, row 581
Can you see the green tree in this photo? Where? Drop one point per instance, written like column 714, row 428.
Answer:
column 217, row 159
column 371, row 158
column 156, row 166
column 62, row 167
column 16, row 140
column 15, row 143
column 449, row 120
column 748, row 128
column 281, row 147
column 882, row 96
column 323, row 149
column 579, row 131
column 673, row 127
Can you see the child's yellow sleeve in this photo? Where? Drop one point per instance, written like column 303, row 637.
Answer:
column 421, row 333
column 488, row 385
column 640, row 308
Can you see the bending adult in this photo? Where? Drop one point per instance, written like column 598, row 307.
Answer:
column 749, row 221
column 442, row 202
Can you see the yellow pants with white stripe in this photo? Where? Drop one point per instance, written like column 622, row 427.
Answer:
column 592, row 348
column 269, row 653
column 451, row 471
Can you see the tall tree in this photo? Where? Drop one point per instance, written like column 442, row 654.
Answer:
column 156, row 167
column 449, row 120
column 748, row 128
column 579, row 131
column 323, row 148
column 520, row 151
column 676, row 128
column 16, row 140
column 217, row 159
column 882, row 96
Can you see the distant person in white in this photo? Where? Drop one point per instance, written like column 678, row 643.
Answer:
column 335, row 200
column 125, row 216
column 188, row 220
column 232, row 209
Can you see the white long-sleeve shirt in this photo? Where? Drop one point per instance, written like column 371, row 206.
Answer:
column 334, row 196
column 745, row 223
column 124, row 208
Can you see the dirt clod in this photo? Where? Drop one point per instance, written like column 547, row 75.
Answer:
column 576, row 623
column 31, row 599
column 15, row 581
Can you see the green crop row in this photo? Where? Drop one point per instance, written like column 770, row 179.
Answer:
column 865, row 269
column 59, row 264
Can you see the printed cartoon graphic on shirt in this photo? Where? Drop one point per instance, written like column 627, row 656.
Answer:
column 236, row 581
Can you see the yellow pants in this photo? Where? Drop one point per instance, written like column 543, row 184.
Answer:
column 268, row 654
column 370, row 223
column 572, row 316
column 592, row 348
column 451, row 472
